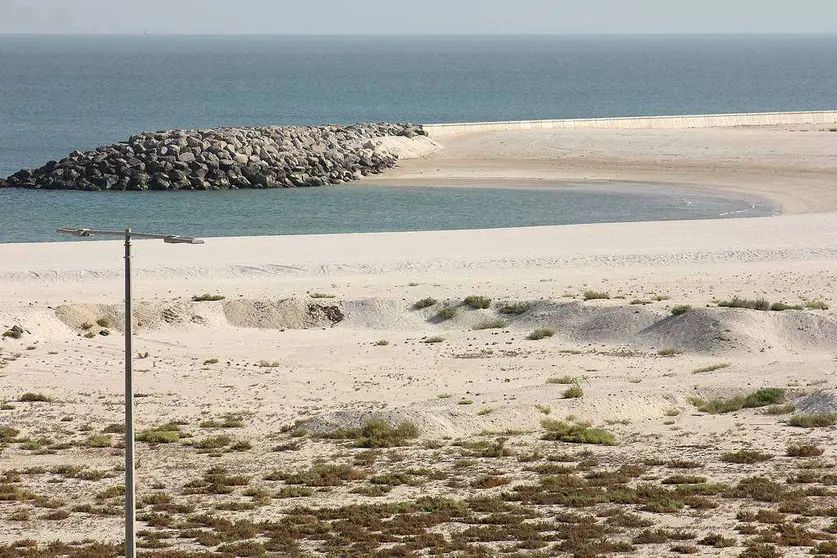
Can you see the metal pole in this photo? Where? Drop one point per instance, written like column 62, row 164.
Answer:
column 130, row 496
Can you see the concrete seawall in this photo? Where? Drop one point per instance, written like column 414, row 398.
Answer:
column 644, row 122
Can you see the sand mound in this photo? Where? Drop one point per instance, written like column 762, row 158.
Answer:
column 702, row 330
column 824, row 401
column 281, row 314
column 730, row 329
column 591, row 322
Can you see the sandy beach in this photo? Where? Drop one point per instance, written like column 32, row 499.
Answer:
column 255, row 407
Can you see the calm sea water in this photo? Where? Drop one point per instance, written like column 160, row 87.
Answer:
column 63, row 93
column 33, row 216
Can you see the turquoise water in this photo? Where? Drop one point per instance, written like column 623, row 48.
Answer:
column 33, row 215
column 63, row 93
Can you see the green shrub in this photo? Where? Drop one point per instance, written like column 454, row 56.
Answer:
column 595, row 295
column 433, row 340
column 804, row 450
column 681, row 309
column 669, row 352
column 213, row 442
column 816, row 305
column 206, row 297
column 381, row 343
column 378, row 433
column 573, row 392
column 34, row 398
column 781, row 307
column 494, row 323
column 563, row 380
column 424, row 303
column 162, row 434
column 541, row 333
column 478, row 302
column 746, row 456
column 99, row 441
column 764, row 397
column 210, row 361
column 711, row 368
column 104, row 322
column 446, row 314
column 576, row 433
column 322, row 295
column 516, row 308
column 813, row 420
column 751, row 304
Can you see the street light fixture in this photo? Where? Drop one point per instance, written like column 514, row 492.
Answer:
column 130, row 494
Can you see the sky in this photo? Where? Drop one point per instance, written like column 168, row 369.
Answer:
column 338, row 17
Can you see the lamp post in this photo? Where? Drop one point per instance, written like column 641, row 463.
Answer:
column 130, row 494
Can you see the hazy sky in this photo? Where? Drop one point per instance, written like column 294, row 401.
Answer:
column 418, row 16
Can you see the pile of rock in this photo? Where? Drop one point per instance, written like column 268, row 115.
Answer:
column 222, row 158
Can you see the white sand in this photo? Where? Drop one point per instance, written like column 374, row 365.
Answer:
column 51, row 289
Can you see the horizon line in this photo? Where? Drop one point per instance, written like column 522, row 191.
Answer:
column 149, row 33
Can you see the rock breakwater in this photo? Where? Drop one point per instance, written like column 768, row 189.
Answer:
column 224, row 158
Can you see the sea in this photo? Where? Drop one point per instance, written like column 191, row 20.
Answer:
column 61, row 93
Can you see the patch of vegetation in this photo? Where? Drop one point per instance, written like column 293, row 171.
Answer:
column 7, row 434
column 493, row 323
column 746, row 457
column 425, row 303
column 541, row 333
column 213, row 442
column 516, row 308
column 446, row 314
column 99, row 441
column 576, row 433
column 444, row 395
column 545, row 409
column 561, row 380
column 813, row 420
column 104, row 322
column 322, row 295
column 378, row 433
column 669, row 352
column 483, row 412
column 760, row 398
column 269, row 364
column 433, row 340
column 381, row 343
column 465, row 402
column 478, row 302
column 781, row 307
column 162, row 434
column 206, row 297
column 320, row 475
column 210, row 361
column 804, row 450
column 229, row 420
column 34, row 398
column 711, row 368
column 596, row 295
column 750, row 304
column 486, row 449
column 573, row 392
column 784, row 409
column 816, row 305
column 680, row 309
